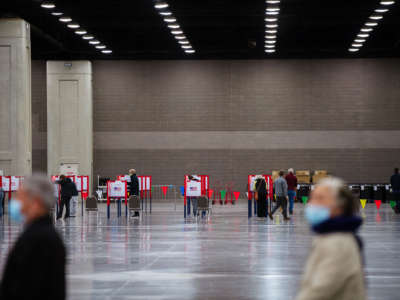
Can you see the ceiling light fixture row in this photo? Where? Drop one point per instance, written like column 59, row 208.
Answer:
column 271, row 25
column 369, row 25
column 49, row 5
column 163, row 9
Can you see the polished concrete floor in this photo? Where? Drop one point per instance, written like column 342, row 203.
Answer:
column 161, row 256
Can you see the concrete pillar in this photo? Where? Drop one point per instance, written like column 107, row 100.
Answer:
column 15, row 98
column 70, row 118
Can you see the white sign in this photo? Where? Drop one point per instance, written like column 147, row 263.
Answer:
column 193, row 187
column 6, row 184
column 116, row 189
column 14, row 183
column 144, row 183
column 85, row 183
column 78, row 181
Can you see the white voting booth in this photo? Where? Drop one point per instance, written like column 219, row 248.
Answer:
column 117, row 189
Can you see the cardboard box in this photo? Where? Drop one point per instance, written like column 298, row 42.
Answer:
column 303, row 176
column 275, row 175
column 318, row 175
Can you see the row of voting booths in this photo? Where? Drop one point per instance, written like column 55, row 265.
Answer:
column 118, row 191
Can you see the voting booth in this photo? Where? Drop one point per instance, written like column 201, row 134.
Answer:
column 10, row 184
column 196, row 187
column 145, row 185
column 118, row 190
column 251, row 190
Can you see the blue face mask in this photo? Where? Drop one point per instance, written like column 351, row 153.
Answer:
column 15, row 211
column 316, row 214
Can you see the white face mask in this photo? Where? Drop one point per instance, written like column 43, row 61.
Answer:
column 317, row 214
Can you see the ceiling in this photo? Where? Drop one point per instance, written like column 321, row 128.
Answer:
column 217, row 29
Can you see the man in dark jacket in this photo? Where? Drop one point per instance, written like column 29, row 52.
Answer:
column 35, row 268
column 67, row 191
column 395, row 183
column 134, row 184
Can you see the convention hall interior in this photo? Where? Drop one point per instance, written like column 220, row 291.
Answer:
column 214, row 149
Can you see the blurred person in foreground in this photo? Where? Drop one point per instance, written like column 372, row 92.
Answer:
column 334, row 269
column 291, row 180
column 395, row 183
column 35, row 268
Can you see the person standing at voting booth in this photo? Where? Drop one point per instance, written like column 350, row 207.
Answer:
column 291, row 180
column 67, row 190
column 281, row 192
column 261, row 197
column 395, row 183
column 134, row 186
column 35, row 267
column 334, row 269
column 193, row 200
column 74, row 200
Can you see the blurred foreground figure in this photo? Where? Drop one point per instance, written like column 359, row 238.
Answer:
column 334, row 269
column 395, row 183
column 35, row 267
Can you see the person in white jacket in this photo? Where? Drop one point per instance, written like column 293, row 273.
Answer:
column 334, row 269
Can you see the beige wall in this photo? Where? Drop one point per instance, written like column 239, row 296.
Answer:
column 15, row 98
column 231, row 118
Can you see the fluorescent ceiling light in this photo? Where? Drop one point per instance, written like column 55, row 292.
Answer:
column 360, row 40
column 106, row 51
column 376, row 17
column 387, row 2
column 57, row 13
column 165, row 13
column 48, row 5
column 65, row 19
column 174, row 26
column 186, row 47
column 101, row 47
column 363, row 35
column 356, row 45
column 170, row 19
column 366, row 29
column 272, row 13
column 73, row 25
column 272, row 1
column 354, row 49
column 94, row 42
column 270, row 41
column 161, row 5
column 180, row 37
column 184, row 42
column 88, row 37
column 176, row 31
column 269, row 50
column 271, row 19
column 269, row 46
column 381, row 10
column 190, row 51
column 270, row 36
column 80, row 31
column 371, row 24
column 271, row 31
column 271, row 25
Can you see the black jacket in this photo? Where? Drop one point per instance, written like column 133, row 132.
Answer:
column 395, row 182
column 134, row 185
column 35, row 267
column 67, row 187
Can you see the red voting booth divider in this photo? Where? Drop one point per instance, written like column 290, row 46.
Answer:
column 204, row 190
column 117, row 189
column 145, row 184
column 250, row 192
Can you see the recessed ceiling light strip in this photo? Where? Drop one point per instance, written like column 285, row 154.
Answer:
column 271, row 25
column 370, row 24
column 51, row 7
column 163, row 9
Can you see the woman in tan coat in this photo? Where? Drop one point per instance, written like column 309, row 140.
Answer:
column 334, row 270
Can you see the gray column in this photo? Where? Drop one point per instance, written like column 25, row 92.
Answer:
column 15, row 97
column 69, row 118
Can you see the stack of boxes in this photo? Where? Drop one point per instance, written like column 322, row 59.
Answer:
column 303, row 176
column 318, row 175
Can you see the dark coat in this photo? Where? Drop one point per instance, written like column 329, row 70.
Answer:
column 68, row 188
column 35, row 267
column 134, row 185
column 395, row 182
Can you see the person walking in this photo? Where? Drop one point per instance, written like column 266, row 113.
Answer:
column 281, row 192
column 334, row 269
column 261, row 197
column 74, row 200
column 35, row 267
column 67, row 190
column 134, row 186
column 291, row 180
column 395, row 183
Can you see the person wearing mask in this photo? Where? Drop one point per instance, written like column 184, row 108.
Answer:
column 395, row 183
column 291, row 180
column 281, row 192
column 334, row 269
column 35, row 267
column 261, row 197
column 67, row 191
column 134, row 186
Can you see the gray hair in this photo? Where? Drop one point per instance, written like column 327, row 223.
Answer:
column 132, row 171
column 343, row 195
column 291, row 170
column 38, row 185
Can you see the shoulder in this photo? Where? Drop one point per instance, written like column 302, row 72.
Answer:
column 337, row 244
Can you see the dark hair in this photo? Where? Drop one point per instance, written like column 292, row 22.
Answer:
column 396, row 170
column 348, row 202
column 281, row 173
column 62, row 177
